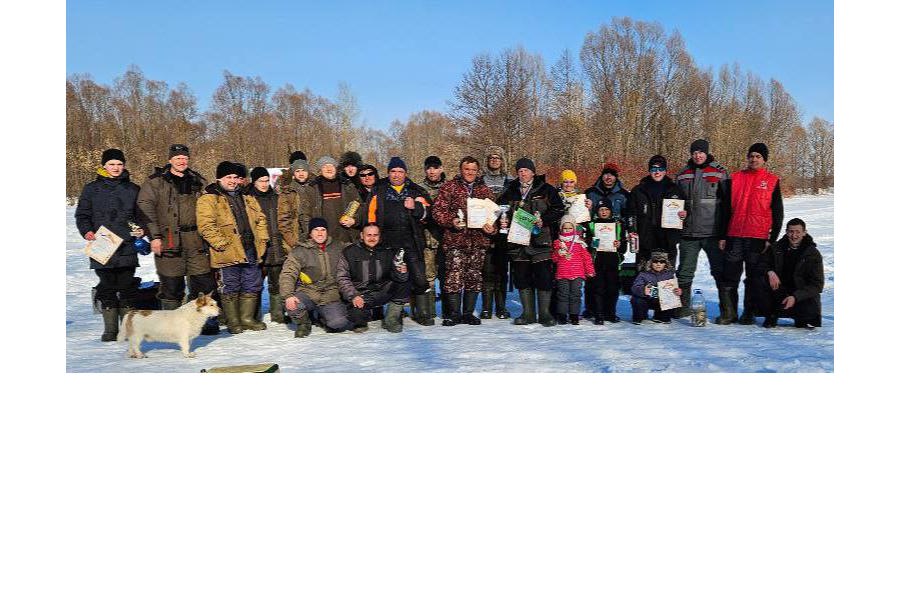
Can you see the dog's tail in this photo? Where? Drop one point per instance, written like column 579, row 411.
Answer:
column 126, row 328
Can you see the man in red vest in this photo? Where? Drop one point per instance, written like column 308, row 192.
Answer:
column 756, row 212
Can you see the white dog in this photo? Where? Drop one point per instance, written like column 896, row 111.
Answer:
column 179, row 326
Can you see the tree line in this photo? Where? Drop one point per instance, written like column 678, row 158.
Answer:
column 632, row 91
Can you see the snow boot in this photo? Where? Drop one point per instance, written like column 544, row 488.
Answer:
column 487, row 301
column 468, row 316
column 393, row 320
column 562, row 319
column 247, row 311
column 110, row 324
column 747, row 317
column 500, row 303
column 545, row 297
column 232, row 313
column 573, row 319
column 304, row 325
column 276, row 308
column 423, row 310
column 451, row 309
column 685, row 311
column 526, row 296
column 727, row 310
column 770, row 322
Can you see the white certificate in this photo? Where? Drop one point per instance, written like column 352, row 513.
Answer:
column 103, row 246
column 577, row 210
column 520, row 228
column 667, row 297
column 480, row 211
column 604, row 236
column 671, row 208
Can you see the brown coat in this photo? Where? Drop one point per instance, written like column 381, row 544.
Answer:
column 320, row 267
column 294, row 205
column 170, row 216
column 217, row 226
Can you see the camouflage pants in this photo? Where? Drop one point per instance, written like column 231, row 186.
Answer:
column 463, row 269
column 430, row 265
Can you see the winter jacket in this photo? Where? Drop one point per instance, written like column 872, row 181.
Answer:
column 219, row 227
column 706, row 189
column 543, row 198
column 756, row 207
column 110, row 201
column 268, row 202
column 809, row 275
column 320, row 266
column 498, row 180
column 431, row 226
column 295, row 202
column 333, row 210
column 573, row 261
column 605, row 258
column 451, row 199
column 617, row 196
column 367, row 272
column 400, row 227
column 652, row 278
column 167, row 210
column 647, row 204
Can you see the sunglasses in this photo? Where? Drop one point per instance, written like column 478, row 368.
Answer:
column 657, row 170
column 659, row 260
column 367, row 174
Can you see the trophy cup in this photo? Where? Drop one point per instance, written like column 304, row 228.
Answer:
column 141, row 245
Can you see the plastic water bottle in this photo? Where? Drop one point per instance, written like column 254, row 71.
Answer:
column 535, row 230
column 698, row 309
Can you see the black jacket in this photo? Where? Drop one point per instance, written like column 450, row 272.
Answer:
column 111, row 202
column 400, row 227
column 367, row 272
column 268, row 202
column 809, row 275
column 543, row 198
column 646, row 204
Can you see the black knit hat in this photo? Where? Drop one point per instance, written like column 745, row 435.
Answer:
column 112, row 154
column 604, row 203
column 525, row 163
column 350, row 158
column 226, row 168
column 317, row 222
column 700, row 145
column 258, row 172
column 397, row 163
column 242, row 169
column 179, row 150
column 761, row 148
column 295, row 155
column 433, row 161
column 657, row 161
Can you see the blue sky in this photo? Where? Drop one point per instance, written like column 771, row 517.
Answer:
column 401, row 57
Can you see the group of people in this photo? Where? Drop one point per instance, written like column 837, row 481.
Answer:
column 346, row 247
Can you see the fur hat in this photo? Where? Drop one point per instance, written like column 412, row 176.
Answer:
column 258, row 172
column 317, row 222
column 525, row 163
column 112, row 154
column 325, row 160
column 700, row 145
column 494, row 150
column 397, row 163
column 568, row 174
column 179, row 150
column 295, row 155
column 657, row 161
column 761, row 148
column 350, row 158
column 610, row 167
column 658, row 255
column 226, row 168
column 433, row 161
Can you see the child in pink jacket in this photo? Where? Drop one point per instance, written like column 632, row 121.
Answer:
column 573, row 265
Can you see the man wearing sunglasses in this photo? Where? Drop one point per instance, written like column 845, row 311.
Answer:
column 647, row 204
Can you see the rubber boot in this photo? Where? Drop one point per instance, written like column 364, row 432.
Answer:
column 304, row 325
column 451, row 309
column 544, row 315
column 468, row 317
column 276, row 309
column 232, row 313
column 247, row 310
column 423, row 310
column 526, row 296
column 487, row 301
column 748, row 315
column 500, row 302
column 393, row 320
column 727, row 311
column 169, row 304
column 685, row 310
column 562, row 319
column 110, row 324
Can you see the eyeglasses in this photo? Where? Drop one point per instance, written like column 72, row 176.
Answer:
column 657, row 169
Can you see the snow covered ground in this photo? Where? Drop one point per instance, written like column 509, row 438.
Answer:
column 492, row 347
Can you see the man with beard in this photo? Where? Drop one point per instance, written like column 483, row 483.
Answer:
column 495, row 274
column 464, row 247
column 434, row 255
column 167, row 209
column 234, row 226
column 647, row 199
column 704, row 183
column 368, row 278
column 532, row 264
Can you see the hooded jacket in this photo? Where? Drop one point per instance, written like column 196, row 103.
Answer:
column 110, row 201
column 319, row 265
column 651, row 277
column 268, row 202
column 219, row 227
column 617, row 196
column 295, row 202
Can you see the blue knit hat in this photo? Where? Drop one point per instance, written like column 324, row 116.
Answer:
column 397, row 162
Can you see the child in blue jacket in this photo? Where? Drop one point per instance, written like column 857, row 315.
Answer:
column 644, row 291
